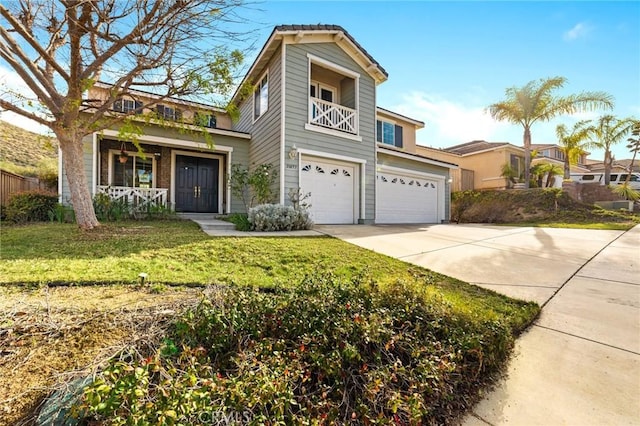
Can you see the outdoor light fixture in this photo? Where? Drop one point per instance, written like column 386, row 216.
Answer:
column 293, row 152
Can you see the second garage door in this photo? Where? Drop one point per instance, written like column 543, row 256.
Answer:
column 404, row 198
column 332, row 188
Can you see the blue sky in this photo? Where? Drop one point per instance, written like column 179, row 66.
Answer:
column 447, row 61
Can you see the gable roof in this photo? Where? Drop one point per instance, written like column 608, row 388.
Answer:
column 477, row 146
column 419, row 124
column 341, row 36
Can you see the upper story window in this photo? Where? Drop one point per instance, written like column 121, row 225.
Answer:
column 322, row 91
column 205, row 120
column 168, row 113
column 389, row 133
column 261, row 97
column 127, row 105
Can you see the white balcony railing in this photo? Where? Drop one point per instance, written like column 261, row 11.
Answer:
column 136, row 197
column 333, row 116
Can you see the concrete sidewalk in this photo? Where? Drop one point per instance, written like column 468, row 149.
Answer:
column 579, row 364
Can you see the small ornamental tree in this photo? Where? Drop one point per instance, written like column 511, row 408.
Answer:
column 60, row 49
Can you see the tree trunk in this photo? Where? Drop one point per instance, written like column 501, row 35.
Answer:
column 567, row 167
column 527, row 156
column 633, row 159
column 73, row 161
column 607, row 167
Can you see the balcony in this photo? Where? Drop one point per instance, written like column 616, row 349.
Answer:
column 333, row 116
column 138, row 198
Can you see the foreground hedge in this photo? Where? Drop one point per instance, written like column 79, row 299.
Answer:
column 325, row 353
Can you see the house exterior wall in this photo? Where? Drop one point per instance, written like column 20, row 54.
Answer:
column 403, row 163
column 296, row 116
column 265, row 131
column 486, row 165
column 188, row 109
column 408, row 131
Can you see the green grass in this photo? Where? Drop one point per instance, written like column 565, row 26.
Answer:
column 356, row 314
column 178, row 253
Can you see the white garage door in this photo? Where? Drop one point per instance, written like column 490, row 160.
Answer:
column 332, row 188
column 402, row 198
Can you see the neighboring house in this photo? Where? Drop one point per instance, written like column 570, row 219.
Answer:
column 551, row 153
column 617, row 167
column 312, row 115
column 480, row 163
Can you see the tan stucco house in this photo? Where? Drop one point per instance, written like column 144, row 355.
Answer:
column 479, row 163
column 312, row 115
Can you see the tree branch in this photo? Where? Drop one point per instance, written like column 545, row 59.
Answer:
column 19, row 28
column 11, row 107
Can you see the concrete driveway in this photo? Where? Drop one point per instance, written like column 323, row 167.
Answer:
column 579, row 364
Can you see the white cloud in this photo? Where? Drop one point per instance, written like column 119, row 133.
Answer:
column 579, row 30
column 448, row 122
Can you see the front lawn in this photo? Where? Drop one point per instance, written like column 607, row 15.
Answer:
column 340, row 323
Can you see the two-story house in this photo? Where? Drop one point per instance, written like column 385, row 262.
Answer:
column 312, row 115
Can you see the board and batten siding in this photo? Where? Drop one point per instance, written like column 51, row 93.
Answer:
column 87, row 152
column 296, row 116
column 265, row 131
column 404, row 163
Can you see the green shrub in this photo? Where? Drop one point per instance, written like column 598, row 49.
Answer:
column 108, row 209
column 328, row 352
column 30, row 206
column 62, row 214
column 241, row 220
column 276, row 217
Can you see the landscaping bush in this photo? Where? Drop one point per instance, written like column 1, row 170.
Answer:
column 241, row 220
column 30, row 206
column 327, row 352
column 108, row 209
column 276, row 217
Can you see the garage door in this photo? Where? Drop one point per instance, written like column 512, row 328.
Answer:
column 332, row 188
column 403, row 198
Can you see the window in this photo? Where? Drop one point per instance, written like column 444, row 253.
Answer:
column 326, row 93
column 517, row 164
column 127, row 105
column 168, row 113
column 261, row 97
column 135, row 172
column 205, row 120
column 389, row 133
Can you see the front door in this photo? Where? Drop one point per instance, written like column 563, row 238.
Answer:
column 197, row 184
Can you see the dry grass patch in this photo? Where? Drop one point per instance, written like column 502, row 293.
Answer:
column 49, row 336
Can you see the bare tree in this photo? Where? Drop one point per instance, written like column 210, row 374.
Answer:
column 61, row 48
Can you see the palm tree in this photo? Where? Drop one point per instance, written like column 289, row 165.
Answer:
column 536, row 101
column 570, row 144
column 633, row 146
column 606, row 132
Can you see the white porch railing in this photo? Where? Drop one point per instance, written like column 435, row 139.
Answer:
column 136, row 197
column 333, row 116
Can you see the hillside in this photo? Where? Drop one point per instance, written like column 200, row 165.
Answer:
column 23, row 148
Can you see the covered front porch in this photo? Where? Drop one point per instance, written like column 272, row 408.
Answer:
column 184, row 176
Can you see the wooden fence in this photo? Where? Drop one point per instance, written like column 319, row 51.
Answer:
column 10, row 183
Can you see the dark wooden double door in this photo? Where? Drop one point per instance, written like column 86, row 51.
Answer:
column 197, row 182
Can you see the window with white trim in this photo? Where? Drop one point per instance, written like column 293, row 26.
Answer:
column 168, row 113
column 127, row 105
column 261, row 97
column 132, row 170
column 389, row 133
